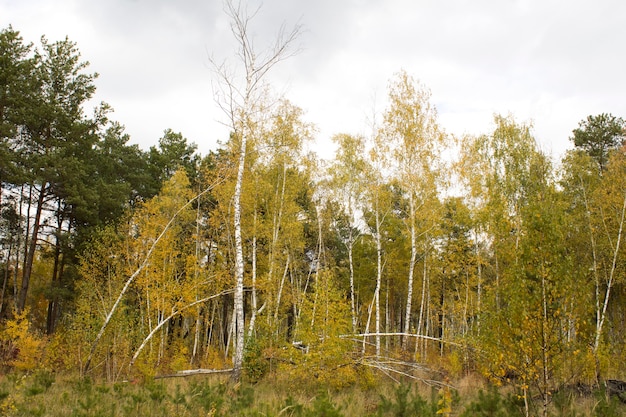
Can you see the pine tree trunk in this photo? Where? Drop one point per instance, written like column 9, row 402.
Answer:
column 18, row 245
column 32, row 247
column 57, row 272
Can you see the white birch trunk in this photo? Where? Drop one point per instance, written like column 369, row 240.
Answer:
column 479, row 289
column 420, row 323
column 280, row 292
column 254, row 296
column 196, row 337
column 379, row 275
column 409, row 297
column 350, row 246
column 239, row 267
column 609, row 284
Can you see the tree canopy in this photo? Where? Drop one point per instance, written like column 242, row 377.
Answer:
column 599, row 135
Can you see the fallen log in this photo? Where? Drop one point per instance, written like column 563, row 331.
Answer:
column 617, row 388
column 418, row 336
column 190, row 372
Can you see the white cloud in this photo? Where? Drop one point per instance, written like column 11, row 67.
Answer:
column 545, row 60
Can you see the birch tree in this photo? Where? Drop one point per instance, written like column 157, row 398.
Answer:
column 529, row 266
column 378, row 207
column 457, row 261
column 241, row 95
column 165, row 283
column 280, row 188
column 411, row 131
column 597, row 207
column 347, row 182
column 104, row 264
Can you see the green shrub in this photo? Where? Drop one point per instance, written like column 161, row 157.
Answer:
column 209, row 397
column 406, row 403
column 291, row 408
column 41, row 382
column 157, row 392
column 255, row 365
column 492, row 404
column 607, row 406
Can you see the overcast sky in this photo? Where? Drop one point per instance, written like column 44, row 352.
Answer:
column 549, row 62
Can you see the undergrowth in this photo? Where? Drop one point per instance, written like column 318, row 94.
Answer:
column 45, row 394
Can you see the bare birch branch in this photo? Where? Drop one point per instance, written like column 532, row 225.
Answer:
column 400, row 334
column 165, row 320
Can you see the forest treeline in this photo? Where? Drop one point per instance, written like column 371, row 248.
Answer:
column 411, row 252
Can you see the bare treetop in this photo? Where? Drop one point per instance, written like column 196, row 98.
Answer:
column 237, row 93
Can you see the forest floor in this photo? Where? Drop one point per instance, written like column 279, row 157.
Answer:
column 42, row 393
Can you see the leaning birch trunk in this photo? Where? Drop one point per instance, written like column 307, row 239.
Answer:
column 609, row 284
column 196, row 336
column 276, row 227
column 168, row 318
column 130, row 280
column 280, row 293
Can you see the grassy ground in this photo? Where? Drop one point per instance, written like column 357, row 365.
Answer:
column 44, row 394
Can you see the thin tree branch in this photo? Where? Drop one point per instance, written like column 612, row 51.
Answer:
column 130, row 280
column 165, row 320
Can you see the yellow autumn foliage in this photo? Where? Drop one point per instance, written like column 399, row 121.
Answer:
column 23, row 348
column 326, row 358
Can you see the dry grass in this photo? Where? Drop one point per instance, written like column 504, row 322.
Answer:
column 44, row 394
